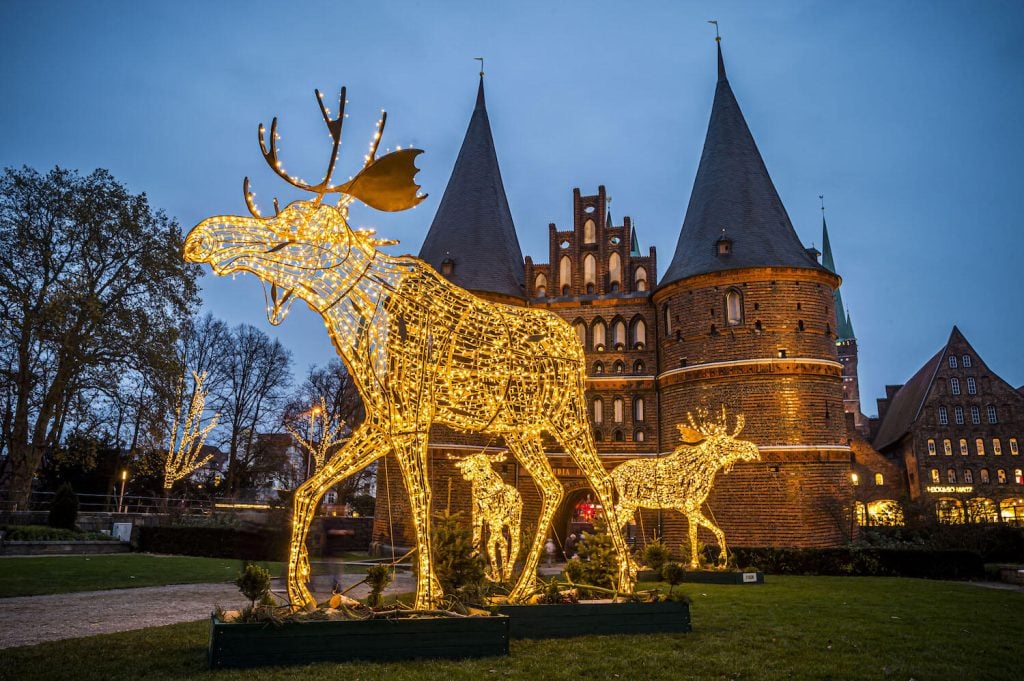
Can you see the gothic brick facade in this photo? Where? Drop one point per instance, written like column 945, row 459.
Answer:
column 744, row 317
column 956, row 429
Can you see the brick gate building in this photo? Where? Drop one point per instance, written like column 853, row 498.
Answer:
column 745, row 316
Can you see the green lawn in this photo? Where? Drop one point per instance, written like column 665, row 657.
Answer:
column 789, row 628
column 31, row 576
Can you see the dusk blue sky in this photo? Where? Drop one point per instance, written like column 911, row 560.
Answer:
column 905, row 115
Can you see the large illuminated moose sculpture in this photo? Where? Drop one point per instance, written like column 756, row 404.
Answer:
column 682, row 480
column 420, row 350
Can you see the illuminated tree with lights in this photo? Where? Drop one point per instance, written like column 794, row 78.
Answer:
column 420, row 350
column 184, row 454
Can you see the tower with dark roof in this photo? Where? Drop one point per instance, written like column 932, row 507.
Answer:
column 747, row 320
column 472, row 240
column 846, row 341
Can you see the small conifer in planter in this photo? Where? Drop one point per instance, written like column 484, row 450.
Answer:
column 458, row 565
column 673, row 573
column 655, row 555
column 377, row 578
column 597, row 564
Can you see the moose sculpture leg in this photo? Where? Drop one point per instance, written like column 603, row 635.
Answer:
column 695, row 519
column 411, row 451
column 580, row 446
column 365, row 446
column 529, row 451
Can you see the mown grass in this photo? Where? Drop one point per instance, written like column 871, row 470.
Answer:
column 36, row 575
column 789, row 628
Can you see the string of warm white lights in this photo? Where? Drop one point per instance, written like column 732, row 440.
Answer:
column 683, row 480
column 183, row 456
column 420, row 351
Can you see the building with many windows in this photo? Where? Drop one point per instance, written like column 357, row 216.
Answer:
column 955, row 430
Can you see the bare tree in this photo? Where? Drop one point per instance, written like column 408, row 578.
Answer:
column 322, row 412
column 89, row 273
column 257, row 374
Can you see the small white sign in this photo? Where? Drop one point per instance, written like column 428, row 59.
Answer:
column 749, row 577
column 122, row 531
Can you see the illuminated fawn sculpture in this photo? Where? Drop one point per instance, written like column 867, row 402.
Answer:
column 420, row 350
column 682, row 480
column 496, row 506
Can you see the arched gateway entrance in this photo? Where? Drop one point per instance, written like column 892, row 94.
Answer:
column 576, row 515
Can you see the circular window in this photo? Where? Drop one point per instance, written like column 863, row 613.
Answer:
column 615, row 241
column 588, row 209
column 564, row 244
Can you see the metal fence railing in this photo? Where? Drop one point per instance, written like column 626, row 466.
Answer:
column 114, row 503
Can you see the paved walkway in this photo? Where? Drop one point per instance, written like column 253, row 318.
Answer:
column 28, row 620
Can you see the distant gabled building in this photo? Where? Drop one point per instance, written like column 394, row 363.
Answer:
column 957, row 429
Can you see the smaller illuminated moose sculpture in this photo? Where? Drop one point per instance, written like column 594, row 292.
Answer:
column 420, row 350
column 683, row 479
column 496, row 505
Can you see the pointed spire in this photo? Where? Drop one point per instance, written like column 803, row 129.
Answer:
column 844, row 329
column 481, row 105
column 826, row 246
column 608, row 219
column 733, row 190
column 634, row 251
column 473, row 238
column 721, row 62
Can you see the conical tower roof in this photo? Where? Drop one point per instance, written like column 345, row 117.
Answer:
column 844, row 329
column 473, row 226
column 733, row 192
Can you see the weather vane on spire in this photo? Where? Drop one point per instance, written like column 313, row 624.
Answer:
column 481, row 60
column 718, row 38
column 821, row 197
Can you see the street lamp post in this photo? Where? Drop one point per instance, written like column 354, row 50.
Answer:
column 120, row 501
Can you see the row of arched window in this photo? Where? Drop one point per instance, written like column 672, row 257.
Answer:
column 540, row 283
column 967, row 476
column 618, row 410
column 618, row 368
column 617, row 339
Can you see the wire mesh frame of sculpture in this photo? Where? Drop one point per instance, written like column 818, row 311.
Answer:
column 420, row 350
column 497, row 507
column 184, row 453
column 683, row 480
column 320, row 450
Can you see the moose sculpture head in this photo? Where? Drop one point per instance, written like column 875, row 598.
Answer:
column 717, row 443
column 307, row 250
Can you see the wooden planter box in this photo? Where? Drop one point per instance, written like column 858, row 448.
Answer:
column 376, row 640
column 708, row 577
column 585, row 619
